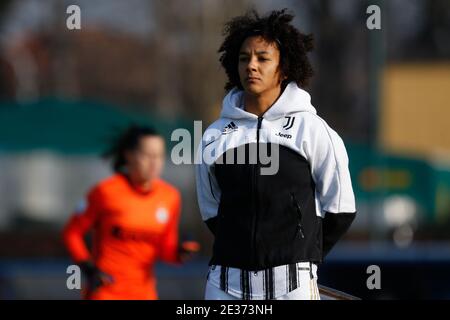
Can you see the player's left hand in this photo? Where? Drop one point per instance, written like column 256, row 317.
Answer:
column 188, row 249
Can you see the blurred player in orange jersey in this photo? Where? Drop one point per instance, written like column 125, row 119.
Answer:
column 134, row 218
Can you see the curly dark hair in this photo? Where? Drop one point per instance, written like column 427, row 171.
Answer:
column 274, row 27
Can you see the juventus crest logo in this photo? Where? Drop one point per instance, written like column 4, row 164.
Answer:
column 289, row 123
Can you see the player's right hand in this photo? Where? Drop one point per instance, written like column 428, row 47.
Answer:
column 95, row 277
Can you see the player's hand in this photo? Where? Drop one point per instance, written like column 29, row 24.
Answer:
column 95, row 277
column 188, row 249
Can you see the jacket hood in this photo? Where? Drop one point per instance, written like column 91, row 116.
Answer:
column 292, row 100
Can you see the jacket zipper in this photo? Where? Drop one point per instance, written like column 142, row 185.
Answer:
column 300, row 216
column 255, row 189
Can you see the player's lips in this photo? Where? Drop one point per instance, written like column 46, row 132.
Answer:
column 252, row 79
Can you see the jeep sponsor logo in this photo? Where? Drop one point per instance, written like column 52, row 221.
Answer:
column 283, row 135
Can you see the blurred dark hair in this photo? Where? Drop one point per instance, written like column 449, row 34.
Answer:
column 127, row 140
column 275, row 27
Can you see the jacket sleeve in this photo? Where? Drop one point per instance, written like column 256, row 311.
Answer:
column 329, row 167
column 208, row 191
column 84, row 217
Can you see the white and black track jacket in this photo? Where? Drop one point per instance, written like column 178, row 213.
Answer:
column 295, row 210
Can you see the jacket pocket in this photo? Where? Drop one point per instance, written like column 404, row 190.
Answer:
column 298, row 210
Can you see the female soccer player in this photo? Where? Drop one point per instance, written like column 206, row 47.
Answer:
column 272, row 227
column 134, row 218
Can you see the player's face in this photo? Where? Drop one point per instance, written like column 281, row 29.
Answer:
column 147, row 161
column 258, row 66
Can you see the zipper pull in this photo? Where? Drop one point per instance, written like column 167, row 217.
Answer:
column 300, row 229
column 260, row 119
column 299, row 212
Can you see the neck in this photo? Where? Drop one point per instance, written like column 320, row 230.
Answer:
column 259, row 103
column 139, row 185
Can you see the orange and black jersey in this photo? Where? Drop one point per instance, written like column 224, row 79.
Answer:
column 131, row 230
